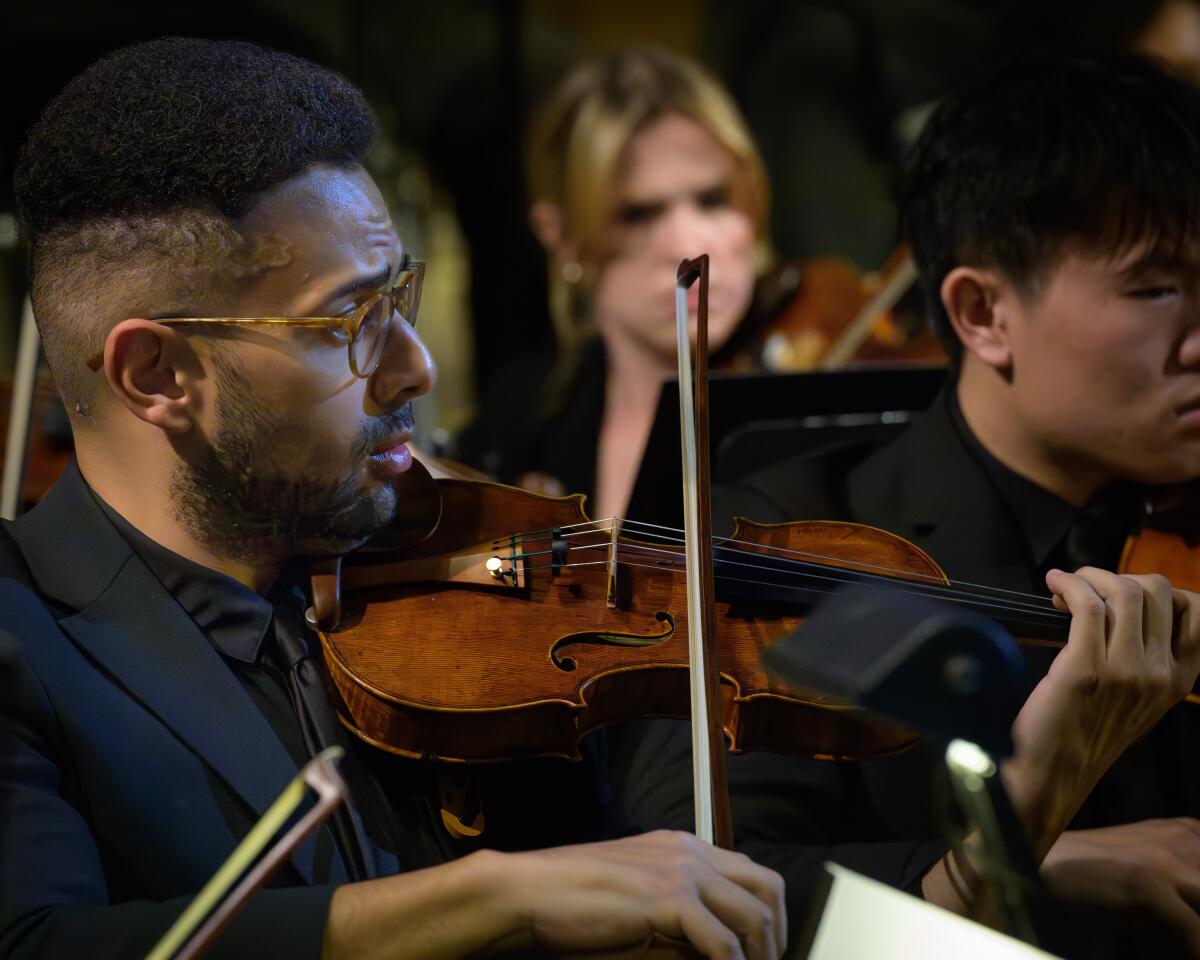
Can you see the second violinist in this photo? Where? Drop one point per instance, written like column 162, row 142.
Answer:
column 639, row 159
column 1053, row 210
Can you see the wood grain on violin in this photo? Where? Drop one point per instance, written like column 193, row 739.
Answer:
column 482, row 642
column 518, row 625
column 823, row 312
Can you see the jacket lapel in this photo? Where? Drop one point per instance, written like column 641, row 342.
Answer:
column 928, row 488
column 130, row 625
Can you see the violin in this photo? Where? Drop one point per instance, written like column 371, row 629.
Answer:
column 517, row 626
column 512, row 624
column 823, row 313
column 1168, row 540
column 40, row 445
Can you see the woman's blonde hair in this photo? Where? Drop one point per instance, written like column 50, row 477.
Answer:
column 579, row 136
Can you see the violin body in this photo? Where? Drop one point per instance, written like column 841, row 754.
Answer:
column 438, row 656
column 823, row 312
column 49, row 448
column 1168, row 542
column 463, row 639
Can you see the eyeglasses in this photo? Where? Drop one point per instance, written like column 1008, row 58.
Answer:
column 364, row 331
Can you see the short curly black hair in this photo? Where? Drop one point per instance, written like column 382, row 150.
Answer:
column 155, row 150
column 180, row 122
column 1053, row 150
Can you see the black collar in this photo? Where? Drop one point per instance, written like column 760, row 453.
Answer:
column 1042, row 518
column 232, row 615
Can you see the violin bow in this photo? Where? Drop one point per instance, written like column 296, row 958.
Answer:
column 897, row 281
column 713, row 820
column 219, row 901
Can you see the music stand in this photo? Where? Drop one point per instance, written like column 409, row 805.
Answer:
column 757, row 419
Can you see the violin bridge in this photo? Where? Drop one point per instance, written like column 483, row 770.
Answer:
column 508, row 569
column 614, row 537
column 505, row 568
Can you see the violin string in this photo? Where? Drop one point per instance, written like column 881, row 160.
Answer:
column 888, row 571
column 938, row 590
column 1041, row 608
column 785, row 553
column 1036, row 605
column 526, row 556
column 776, row 552
column 932, row 589
column 1062, row 617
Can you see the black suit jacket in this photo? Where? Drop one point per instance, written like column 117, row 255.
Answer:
column 119, row 794
column 928, row 487
column 132, row 761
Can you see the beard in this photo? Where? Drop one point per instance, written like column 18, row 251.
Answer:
column 251, row 495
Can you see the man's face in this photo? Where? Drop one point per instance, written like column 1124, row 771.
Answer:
column 673, row 202
column 296, row 454
column 1106, row 367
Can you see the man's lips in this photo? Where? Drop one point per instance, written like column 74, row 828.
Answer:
column 392, row 456
column 391, row 442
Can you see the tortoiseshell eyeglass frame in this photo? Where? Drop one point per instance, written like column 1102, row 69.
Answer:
column 404, row 298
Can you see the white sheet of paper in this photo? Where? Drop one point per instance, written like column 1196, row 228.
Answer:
column 864, row 918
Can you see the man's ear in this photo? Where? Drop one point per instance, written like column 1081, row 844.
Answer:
column 152, row 372
column 975, row 302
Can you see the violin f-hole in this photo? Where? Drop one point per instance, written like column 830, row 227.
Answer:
column 604, row 638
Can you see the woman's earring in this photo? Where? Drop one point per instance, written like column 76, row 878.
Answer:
column 572, row 272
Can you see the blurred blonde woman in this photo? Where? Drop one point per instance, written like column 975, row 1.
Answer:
column 637, row 160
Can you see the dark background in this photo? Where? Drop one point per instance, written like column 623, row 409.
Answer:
column 833, row 90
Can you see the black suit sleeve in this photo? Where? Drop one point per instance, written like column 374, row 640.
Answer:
column 54, row 900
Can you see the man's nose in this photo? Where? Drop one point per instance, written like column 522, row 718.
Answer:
column 1189, row 347
column 405, row 371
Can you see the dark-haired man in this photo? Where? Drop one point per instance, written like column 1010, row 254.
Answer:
column 180, row 197
column 166, row 692
column 1054, row 212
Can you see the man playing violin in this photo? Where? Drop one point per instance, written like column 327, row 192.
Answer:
column 227, row 310
column 222, row 299
column 1053, row 211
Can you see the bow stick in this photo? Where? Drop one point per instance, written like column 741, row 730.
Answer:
column 713, row 821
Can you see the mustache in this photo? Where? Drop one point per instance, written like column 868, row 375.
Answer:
column 380, row 428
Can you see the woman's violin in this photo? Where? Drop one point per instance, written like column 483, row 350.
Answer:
column 824, row 313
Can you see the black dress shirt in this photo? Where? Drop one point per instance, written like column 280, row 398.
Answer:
column 238, row 622
column 1055, row 532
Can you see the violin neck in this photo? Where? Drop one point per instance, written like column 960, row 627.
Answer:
column 794, row 587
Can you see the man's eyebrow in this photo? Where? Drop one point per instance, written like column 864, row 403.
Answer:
column 373, row 282
column 1160, row 263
